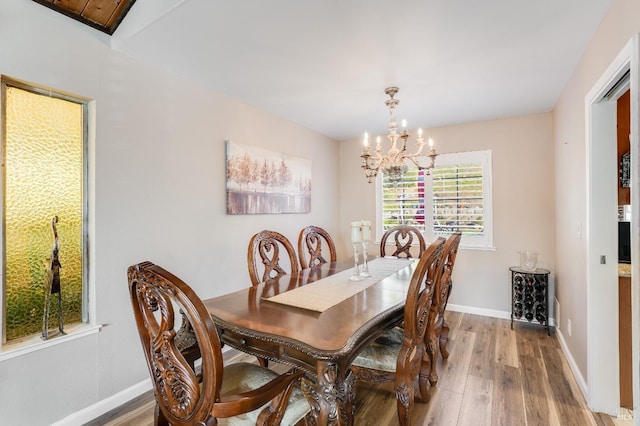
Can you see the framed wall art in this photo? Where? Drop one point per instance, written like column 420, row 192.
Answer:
column 260, row 181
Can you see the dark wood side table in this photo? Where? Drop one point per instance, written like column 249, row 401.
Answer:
column 530, row 295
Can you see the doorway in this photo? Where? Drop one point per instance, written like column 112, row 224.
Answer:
column 623, row 147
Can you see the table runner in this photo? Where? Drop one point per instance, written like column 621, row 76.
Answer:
column 327, row 292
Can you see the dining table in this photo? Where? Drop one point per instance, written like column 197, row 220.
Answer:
column 318, row 320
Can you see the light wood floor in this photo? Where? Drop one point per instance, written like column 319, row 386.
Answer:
column 494, row 376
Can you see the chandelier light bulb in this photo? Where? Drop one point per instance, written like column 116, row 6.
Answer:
column 404, row 124
column 365, row 142
column 420, row 132
column 430, row 143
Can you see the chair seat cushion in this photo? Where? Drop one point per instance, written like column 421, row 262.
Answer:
column 243, row 377
column 382, row 353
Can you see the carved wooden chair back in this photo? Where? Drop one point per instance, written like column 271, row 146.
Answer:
column 266, row 246
column 438, row 330
column 403, row 237
column 310, row 247
column 400, row 355
column 265, row 249
column 449, row 255
column 184, row 397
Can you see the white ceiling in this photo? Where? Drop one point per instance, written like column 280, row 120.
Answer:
column 325, row 63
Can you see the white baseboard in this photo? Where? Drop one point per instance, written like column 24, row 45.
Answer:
column 101, row 407
column 582, row 383
column 488, row 313
column 479, row 311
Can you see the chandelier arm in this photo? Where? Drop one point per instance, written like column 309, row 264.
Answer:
column 418, row 165
column 414, row 161
column 429, row 167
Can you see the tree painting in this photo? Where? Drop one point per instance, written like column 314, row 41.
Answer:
column 262, row 181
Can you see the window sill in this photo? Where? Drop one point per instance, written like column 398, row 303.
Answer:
column 461, row 247
column 477, row 248
column 35, row 343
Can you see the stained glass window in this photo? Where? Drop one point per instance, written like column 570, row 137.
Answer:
column 44, row 210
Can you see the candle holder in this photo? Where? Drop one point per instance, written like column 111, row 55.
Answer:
column 365, row 266
column 356, row 269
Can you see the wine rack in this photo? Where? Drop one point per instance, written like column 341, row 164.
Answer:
column 530, row 296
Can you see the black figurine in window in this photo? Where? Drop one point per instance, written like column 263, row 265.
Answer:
column 52, row 283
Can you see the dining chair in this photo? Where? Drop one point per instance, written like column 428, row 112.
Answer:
column 403, row 237
column 310, row 245
column 264, row 248
column 240, row 393
column 438, row 329
column 400, row 354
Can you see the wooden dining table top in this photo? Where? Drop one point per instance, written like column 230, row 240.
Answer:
column 335, row 332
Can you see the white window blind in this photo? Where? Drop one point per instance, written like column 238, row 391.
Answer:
column 455, row 197
column 458, row 199
column 403, row 202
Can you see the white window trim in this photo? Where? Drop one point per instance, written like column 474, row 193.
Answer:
column 88, row 324
column 484, row 242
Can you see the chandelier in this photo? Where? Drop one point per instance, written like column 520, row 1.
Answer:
column 394, row 163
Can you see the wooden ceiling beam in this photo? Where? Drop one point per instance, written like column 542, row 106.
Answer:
column 103, row 15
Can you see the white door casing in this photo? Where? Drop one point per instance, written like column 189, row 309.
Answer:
column 601, row 237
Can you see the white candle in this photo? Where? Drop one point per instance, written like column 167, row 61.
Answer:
column 430, row 143
column 420, row 132
column 378, row 141
column 366, row 230
column 356, row 232
column 404, row 125
column 365, row 142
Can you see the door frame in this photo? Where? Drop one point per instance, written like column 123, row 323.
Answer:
column 603, row 381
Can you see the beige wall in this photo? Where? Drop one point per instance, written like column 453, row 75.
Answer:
column 617, row 28
column 522, row 202
column 159, row 195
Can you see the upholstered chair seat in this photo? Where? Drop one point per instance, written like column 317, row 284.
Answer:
column 243, row 377
column 382, row 354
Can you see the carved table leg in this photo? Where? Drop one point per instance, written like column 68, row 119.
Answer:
column 331, row 399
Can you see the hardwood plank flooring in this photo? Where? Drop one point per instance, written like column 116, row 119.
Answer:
column 508, row 402
column 506, row 346
column 484, row 350
column 443, row 409
column 494, row 376
column 476, row 401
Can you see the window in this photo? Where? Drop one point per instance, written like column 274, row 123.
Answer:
column 456, row 196
column 44, row 187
